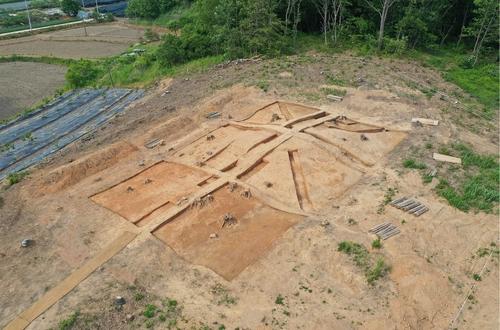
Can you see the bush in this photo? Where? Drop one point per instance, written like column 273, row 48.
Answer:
column 150, row 35
column 171, row 51
column 70, row 7
column 467, row 62
column 82, row 73
column 395, row 46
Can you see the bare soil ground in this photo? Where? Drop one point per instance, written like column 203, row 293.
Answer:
column 22, row 85
column 274, row 264
column 102, row 40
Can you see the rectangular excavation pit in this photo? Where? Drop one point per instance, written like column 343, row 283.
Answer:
column 222, row 148
column 159, row 186
column 301, row 175
column 199, row 235
column 279, row 113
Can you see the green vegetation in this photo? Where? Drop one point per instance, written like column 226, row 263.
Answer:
column 68, row 323
column 475, row 185
column 377, row 271
column 362, row 259
column 377, row 244
column 279, row 300
column 222, row 295
column 413, row 164
column 17, row 177
column 70, row 7
column 476, row 277
column 149, row 311
column 81, row 73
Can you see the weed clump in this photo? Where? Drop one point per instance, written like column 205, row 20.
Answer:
column 68, row 323
column 362, row 259
column 413, row 164
column 17, row 177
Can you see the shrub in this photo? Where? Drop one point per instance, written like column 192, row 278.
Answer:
column 394, row 46
column 377, row 244
column 82, row 73
column 171, row 51
column 150, row 311
column 378, row 271
column 150, row 35
column 70, row 7
column 467, row 62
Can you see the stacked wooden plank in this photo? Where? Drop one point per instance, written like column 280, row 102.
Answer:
column 385, row 230
column 410, row 206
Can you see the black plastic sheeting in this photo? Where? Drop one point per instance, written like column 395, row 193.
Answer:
column 28, row 140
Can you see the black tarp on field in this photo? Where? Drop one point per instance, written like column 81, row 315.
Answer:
column 29, row 139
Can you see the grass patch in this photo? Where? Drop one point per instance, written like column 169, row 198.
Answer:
column 68, row 323
column 279, row 300
column 413, row 164
column 361, row 257
column 475, row 185
column 17, row 177
column 263, row 84
column 481, row 81
column 333, row 91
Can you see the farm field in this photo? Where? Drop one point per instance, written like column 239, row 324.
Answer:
column 101, row 41
column 23, row 84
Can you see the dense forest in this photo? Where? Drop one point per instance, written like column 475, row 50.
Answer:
column 238, row 28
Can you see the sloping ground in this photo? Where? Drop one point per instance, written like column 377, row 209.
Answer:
column 29, row 139
column 236, row 278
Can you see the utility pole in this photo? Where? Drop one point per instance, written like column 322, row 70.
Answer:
column 83, row 17
column 29, row 17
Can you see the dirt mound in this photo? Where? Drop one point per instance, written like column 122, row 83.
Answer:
column 70, row 174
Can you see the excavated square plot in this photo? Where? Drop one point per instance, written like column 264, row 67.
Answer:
column 302, row 175
column 279, row 113
column 232, row 248
column 159, row 186
column 224, row 147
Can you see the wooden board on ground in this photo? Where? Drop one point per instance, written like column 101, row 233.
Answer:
column 446, row 158
column 425, row 121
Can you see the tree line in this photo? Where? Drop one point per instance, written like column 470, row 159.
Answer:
column 239, row 28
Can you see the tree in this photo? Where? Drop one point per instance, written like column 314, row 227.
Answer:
column 149, row 9
column 382, row 8
column 70, row 7
column 323, row 8
column 486, row 16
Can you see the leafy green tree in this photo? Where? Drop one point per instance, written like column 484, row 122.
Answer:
column 149, row 9
column 82, row 73
column 70, row 7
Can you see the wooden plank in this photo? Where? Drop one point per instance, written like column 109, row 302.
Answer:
column 425, row 121
column 379, row 227
column 68, row 284
column 399, row 200
column 446, row 158
column 17, row 324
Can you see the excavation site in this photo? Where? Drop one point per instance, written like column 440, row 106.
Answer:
column 187, row 207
